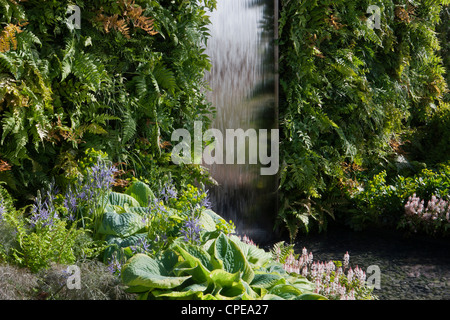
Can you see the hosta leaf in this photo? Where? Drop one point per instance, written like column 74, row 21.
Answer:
column 304, row 285
column 310, row 296
column 116, row 243
column 213, row 215
column 142, row 211
column 143, row 271
column 286, row 291
column 120, row 199
column 141, row 192
column 270, row 296
column 182, row 295
column 266, row 280
column 235, row 291
column 230, row 257
column 198, row 261
column 122, row 225
column 253, row 254
column 207, row 222
column 223, row 279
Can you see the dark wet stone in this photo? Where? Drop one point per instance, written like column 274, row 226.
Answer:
column 411, row 268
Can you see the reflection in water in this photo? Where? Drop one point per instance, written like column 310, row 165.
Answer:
column 243, row 92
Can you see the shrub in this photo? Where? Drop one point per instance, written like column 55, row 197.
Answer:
column 380, row 202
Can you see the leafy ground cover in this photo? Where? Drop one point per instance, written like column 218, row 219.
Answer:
column 166, row 244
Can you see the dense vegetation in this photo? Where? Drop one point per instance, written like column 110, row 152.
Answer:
column 357, row 100
column 120, row 83
column 87, row 109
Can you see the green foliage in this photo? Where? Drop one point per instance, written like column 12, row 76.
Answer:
column 381, row 200
column 430, row 143
column 45, row 245
column 37, row 245
column 123, row 82
column 219, row 270
column 443, row 30
column 347, row 91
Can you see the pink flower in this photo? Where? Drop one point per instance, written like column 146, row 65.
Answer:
column 305, row 271
column 350, row 275
column 346, row 259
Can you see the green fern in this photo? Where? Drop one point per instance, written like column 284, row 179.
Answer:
column 280, row 251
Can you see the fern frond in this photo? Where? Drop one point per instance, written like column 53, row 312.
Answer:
column 280, row 251
column 9, row 64
column 129, row 127
column 132, row 14
column 165, row 78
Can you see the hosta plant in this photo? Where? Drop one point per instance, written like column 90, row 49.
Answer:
column 222, row 268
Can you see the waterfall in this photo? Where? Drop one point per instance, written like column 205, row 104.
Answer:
column 244, row 92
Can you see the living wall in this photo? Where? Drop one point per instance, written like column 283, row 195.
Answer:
column 354, row 95
column 119, row 80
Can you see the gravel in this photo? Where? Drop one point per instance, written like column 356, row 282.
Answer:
column 415, row 268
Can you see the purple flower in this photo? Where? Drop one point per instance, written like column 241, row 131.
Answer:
column 70, row 201
column 141, row 246
column 168, row 192
column 101, row 176
column 43, row 212
column 158, row 206
column 115, row 266
column 191, row 230
column 205, row 202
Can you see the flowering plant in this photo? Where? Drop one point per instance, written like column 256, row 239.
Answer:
column 335, row 280
column 433, row 218
column 87, row 197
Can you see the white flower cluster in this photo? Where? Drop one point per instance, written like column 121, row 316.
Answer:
column 330, row 281
column 435, row 209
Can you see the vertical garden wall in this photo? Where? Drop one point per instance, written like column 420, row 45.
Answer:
column 119, row 82
column 359, row 87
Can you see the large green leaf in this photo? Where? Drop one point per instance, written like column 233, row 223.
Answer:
column 141, row 192
column 223, row 279
column 116, row 243
column 213, row 215
column 252, row 253
column 310, row 296
column 142, row 211
column 178, row 295
column 120, row 199
column 286, row 291
column 197, row 262
column 121, row 225
column 208, row 224
column 143, row 271
column 303, row 284
column 266, row 280
column 230, row 257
